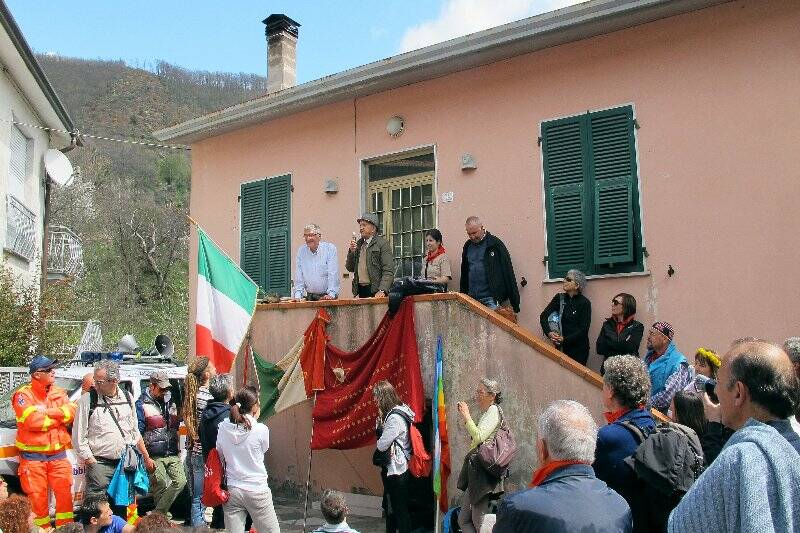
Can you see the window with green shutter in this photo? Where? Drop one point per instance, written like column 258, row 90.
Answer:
column 266, row 217
column 591, row 193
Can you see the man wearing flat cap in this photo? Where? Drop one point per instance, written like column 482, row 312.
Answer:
column 157, row 415
column 668, row 367
column 370, row 260
column 44, row 414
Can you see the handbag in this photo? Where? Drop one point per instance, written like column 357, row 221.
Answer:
column 496, row 454
column 214, row 486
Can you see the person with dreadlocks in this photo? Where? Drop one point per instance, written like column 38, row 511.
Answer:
column 200, row 371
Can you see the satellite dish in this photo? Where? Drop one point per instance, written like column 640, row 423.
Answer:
column 58, row 167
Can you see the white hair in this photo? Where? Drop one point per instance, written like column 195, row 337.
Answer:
column 569, row 431
column 473, row 221
column 313, row 228
column 111, row 368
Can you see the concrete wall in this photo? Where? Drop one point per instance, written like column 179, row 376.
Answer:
column 715, row 93
column 14, row 106
column 474, row 347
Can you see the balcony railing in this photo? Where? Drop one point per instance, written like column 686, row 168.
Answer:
column 20, row 229
column 65, row 253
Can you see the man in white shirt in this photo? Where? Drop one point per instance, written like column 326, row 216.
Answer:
column 316, row 274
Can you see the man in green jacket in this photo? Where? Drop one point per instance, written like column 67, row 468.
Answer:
column 370, row 260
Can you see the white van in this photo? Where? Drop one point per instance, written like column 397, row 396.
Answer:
column 134, row 377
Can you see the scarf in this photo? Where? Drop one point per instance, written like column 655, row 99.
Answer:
column 613, row 417
column 540, row 475
column 433, row 255
column 622, row 325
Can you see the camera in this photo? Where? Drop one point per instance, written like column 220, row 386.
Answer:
column 707, row 385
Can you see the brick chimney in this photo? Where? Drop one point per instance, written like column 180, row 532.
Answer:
column 281, row 52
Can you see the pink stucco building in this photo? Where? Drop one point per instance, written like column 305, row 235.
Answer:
column 628, row 138
column 619, row 136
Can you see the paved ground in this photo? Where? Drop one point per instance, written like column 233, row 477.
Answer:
column 289, row 509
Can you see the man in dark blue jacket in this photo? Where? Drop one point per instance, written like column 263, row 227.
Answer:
column 487, row 273
column 565, row 496
column 626, row 389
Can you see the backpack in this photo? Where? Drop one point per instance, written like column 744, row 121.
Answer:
column 420, row 463
column 667, row 462
column 214, row 493
column 93, row 401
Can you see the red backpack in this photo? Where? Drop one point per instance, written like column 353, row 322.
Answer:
column 214, row 493
column 420, row 463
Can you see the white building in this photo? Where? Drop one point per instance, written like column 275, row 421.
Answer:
column 27, row 98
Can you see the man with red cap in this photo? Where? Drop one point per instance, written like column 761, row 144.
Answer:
column 668, row 367
column 44, row 412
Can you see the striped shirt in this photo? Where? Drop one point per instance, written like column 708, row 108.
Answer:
column 203, row 397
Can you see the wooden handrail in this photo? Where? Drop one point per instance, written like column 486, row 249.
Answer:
column 515, row 330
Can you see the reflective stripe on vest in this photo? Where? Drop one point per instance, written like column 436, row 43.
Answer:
column 26, row 413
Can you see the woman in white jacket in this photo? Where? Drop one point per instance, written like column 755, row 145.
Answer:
column 242, row 442
column 392, row 454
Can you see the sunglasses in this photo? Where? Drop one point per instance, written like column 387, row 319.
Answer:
column 47, row 371
column 616, row 302
column 568, row 279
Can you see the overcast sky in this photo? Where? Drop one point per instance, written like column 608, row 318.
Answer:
column 229, row 36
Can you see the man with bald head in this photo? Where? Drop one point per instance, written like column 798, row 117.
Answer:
column 752, row 486
column 487, row 273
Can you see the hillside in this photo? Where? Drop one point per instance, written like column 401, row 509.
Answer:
column 129, row 203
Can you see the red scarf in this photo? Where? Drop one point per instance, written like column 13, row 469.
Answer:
column 433, row 255
column 541, row 474
column 622, row 325
column 613, row 417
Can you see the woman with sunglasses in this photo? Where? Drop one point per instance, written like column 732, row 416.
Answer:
column 567, row 318
column 621, row 334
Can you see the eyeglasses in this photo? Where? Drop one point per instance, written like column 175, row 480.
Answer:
column 616, row 302
column 568, row 279
column 104, row 381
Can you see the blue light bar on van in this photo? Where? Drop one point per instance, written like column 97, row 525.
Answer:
column 91, row 357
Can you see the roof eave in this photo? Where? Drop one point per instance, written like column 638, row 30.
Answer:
column 16, row 36
column 562, row 26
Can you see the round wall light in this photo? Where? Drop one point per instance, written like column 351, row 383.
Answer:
column 395, row 126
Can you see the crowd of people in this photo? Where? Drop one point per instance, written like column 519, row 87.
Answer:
column 733, row 438
column 733, row 428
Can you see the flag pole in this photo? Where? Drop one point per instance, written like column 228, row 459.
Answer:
column 437, row 521
column 308, row 477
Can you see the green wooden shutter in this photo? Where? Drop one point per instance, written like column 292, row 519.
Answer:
column 278, row 203
column 566, row 210
column 613, row 167
column 252, row 253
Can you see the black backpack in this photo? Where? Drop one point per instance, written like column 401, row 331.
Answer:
column 667, row 462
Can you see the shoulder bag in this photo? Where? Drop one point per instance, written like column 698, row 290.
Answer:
column 130, row 456
column 496, row 454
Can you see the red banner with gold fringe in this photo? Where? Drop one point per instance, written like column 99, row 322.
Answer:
column 344, row 412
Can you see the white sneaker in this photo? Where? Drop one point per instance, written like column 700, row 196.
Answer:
column 208, row 515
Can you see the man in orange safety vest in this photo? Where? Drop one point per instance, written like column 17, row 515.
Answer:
column 44, row 414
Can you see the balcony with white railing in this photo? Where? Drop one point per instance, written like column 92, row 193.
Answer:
column 20, row 229
column 65, row 253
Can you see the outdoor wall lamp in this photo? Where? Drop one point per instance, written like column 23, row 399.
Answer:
column 395, row 126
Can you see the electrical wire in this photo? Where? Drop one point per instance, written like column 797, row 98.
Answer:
column 99, row 137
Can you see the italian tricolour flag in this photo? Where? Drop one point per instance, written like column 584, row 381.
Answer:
column 226, row 301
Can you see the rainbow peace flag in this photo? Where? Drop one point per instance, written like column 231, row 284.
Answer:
column 441, row 446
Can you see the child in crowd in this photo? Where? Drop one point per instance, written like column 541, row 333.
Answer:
column 97, row 517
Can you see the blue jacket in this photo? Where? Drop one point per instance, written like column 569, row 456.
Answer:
column 571, row 499
column 663, row 367
column 615, row 442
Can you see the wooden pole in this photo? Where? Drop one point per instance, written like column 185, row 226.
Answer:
column 308, row 477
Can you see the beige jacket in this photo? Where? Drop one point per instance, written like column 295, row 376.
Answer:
column 99, row 436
